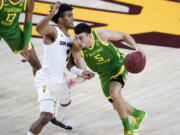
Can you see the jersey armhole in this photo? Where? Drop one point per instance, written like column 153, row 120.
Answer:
column 54, row 40
column 98, row 37
column 58, row 32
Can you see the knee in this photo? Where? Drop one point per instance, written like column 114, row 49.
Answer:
column 115, row 94
column 45, row 118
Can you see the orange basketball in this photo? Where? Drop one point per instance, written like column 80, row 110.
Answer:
column 135, row 62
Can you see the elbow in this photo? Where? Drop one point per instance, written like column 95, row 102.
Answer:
column 68, row 67
column 38, row 29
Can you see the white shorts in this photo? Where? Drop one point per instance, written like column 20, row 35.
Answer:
column 51, row 92
column 59, row 93
column 48, row 106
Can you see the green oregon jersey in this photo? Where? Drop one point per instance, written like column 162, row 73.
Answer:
column 9, row 15
column 103, row 58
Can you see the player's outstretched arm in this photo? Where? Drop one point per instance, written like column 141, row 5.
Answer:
column 110, row 35
column 76, row 69
column 77, row 55
column 77, row 66
column 43, row 28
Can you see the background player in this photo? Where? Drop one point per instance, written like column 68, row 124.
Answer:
column 18, row 40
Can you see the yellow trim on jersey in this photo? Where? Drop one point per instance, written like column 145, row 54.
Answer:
column 124, row 79
column 114, row 47
column 82, row 54
column 93, row 42
column 109, row 97
column 25, row 4
column 2, row 3
column 29, row 48
column 14, row 3
column 119, row 73
column 106, row 44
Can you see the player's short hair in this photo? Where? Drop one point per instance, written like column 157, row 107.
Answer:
column 82, row 28
column 64, row 7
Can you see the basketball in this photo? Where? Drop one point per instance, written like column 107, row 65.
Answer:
column 135, row 62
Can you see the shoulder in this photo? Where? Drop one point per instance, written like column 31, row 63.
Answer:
column 103, row 33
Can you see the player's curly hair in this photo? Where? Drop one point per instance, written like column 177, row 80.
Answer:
column 82, row 28
column 64, row 7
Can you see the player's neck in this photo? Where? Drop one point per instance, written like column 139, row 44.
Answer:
column 64, row 29
column 91, row 42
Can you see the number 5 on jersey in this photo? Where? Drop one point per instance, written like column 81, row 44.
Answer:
column 99, row 58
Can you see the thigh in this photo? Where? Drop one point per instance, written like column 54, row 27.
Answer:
column 47, row 106
column 15, row 41
column 115, row 87
column 63, row 93
column 120, row 79
column 114, row 90
column 105, row 81
column 46, row 92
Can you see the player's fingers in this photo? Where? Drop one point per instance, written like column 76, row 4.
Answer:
column 69, row 83
column 58, row 4
column 92, row 75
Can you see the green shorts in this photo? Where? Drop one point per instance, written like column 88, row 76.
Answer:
column 14, row 40
column 119, row 76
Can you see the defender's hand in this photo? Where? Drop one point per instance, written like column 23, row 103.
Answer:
column 72, row 82
column 87, row 74
column 55, row 8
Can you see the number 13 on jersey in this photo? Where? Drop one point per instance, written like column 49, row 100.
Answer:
column 10, row 18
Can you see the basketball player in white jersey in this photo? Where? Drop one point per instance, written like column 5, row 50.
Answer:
column 50, row 81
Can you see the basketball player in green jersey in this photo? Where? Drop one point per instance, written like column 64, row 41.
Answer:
column 18, row 40
column 101, row 56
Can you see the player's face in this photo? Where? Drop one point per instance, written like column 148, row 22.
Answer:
column 68, row 19
column 83, row 40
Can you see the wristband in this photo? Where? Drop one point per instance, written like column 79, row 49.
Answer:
column 76, row 70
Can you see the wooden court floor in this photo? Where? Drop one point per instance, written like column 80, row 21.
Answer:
column 156, row 90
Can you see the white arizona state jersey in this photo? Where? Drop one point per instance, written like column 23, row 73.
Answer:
column 56, row 56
